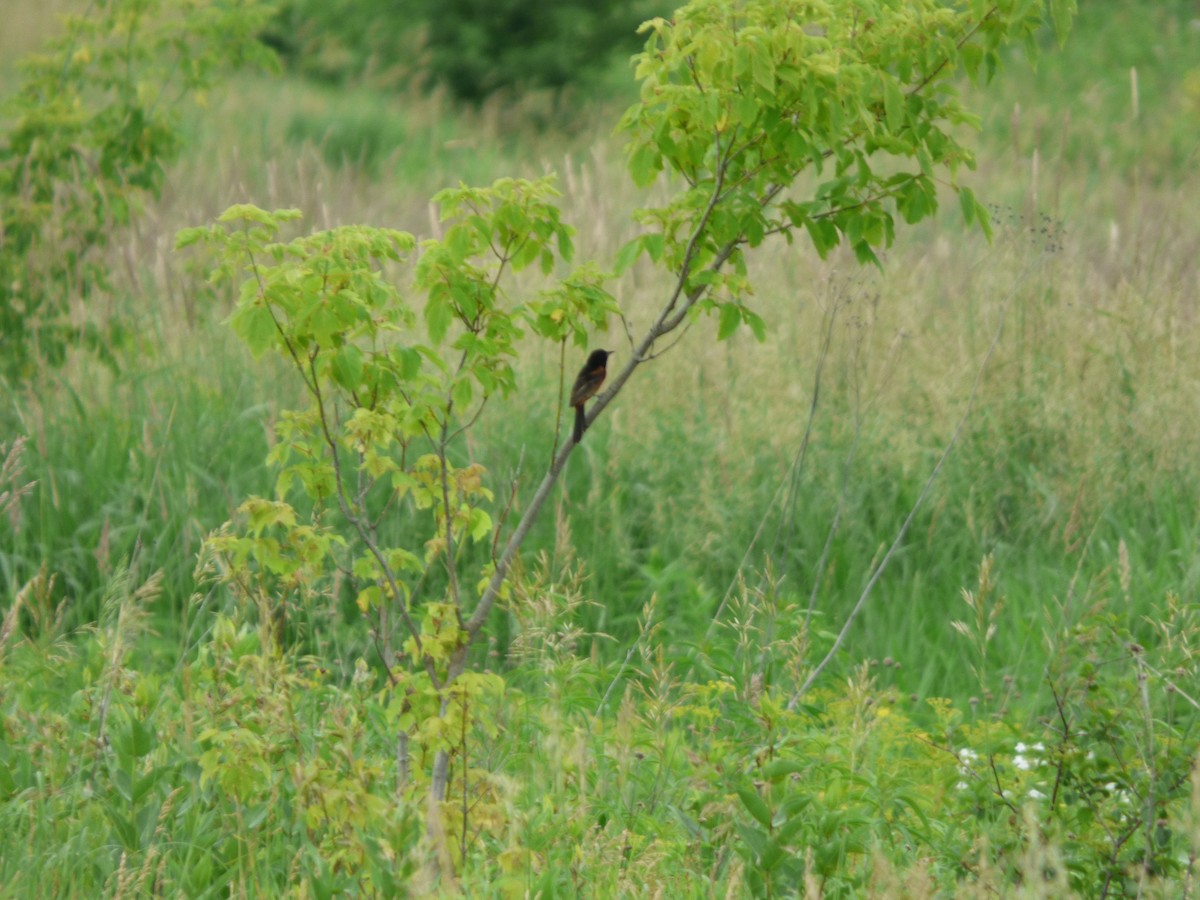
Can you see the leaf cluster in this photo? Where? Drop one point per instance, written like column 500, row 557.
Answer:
column 739, row 100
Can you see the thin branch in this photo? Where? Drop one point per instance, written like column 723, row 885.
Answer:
column 451, row 565
column 667, row 349
column 1175, row 688
column 625, row 326
column 999, row 787
column 612, row 684
column 647, row 628
column 365, row 533
column 920, row 501
column 959, row 44
column 819, row 571
column 383, row 657
column 472, row 420
column 465, row 782
column 287, row 342
column 843, row 489
column 514, row 483
column 689, row 252
column 1151, row 773
column 562, row 393
column 441, row 445
column 1062, row 751
column 786, row 515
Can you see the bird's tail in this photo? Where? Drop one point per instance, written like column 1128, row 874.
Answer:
column 580, row 423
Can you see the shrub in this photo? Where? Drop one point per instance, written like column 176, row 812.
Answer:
column 89, row 134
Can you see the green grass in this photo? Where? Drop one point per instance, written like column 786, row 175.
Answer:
column 1075, row 471
column 136, row 468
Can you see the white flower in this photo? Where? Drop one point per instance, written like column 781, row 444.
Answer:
column 1023, row 762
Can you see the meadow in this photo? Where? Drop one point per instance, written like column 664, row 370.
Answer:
column 1022, row 411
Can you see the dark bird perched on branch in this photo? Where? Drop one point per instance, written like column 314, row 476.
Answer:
column 591, row 376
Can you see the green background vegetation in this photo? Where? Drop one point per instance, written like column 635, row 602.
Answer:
column 1075, row 473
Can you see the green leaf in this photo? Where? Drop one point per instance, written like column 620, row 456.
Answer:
column 628, row 255
column 777, row 770
column 771, row 854
column 764, row 71
column 408, row 361
column 263, row 514
column 254, row 324
column 438, row 316
column 747, row 109
column 824, row 235
column 369, row 598
column 462, row 392
column 124, row 828
column 731, row 317
column 755, row 804
column 984, row 218
column 644, row 164
column 966, row 201
column 755, row 841
column 911, row 201
column 134, row 741
column 864, row 253
column 348, row 367
column 756, row 323
column 793, row 823
column 185, row 237
column 893, row 104
column 1062, row 12
column 566, row 247
column 481, row 524
column 248, row 212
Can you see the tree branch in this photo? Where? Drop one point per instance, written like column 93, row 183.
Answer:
column 365, row 533
column 668, row 319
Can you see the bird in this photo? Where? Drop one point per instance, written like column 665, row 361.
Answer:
column 591, row 376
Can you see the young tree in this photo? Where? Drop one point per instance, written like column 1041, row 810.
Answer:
column 737, row 101
column 86, row 139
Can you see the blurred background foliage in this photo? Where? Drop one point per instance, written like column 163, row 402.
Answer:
column 472, row 48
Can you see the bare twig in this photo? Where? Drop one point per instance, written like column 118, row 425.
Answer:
column 1062, row 750
column 843, row 488
column 462, row 841
column 999, row 789
column 1148, row 815
column 920, row 501
column 443, row 465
